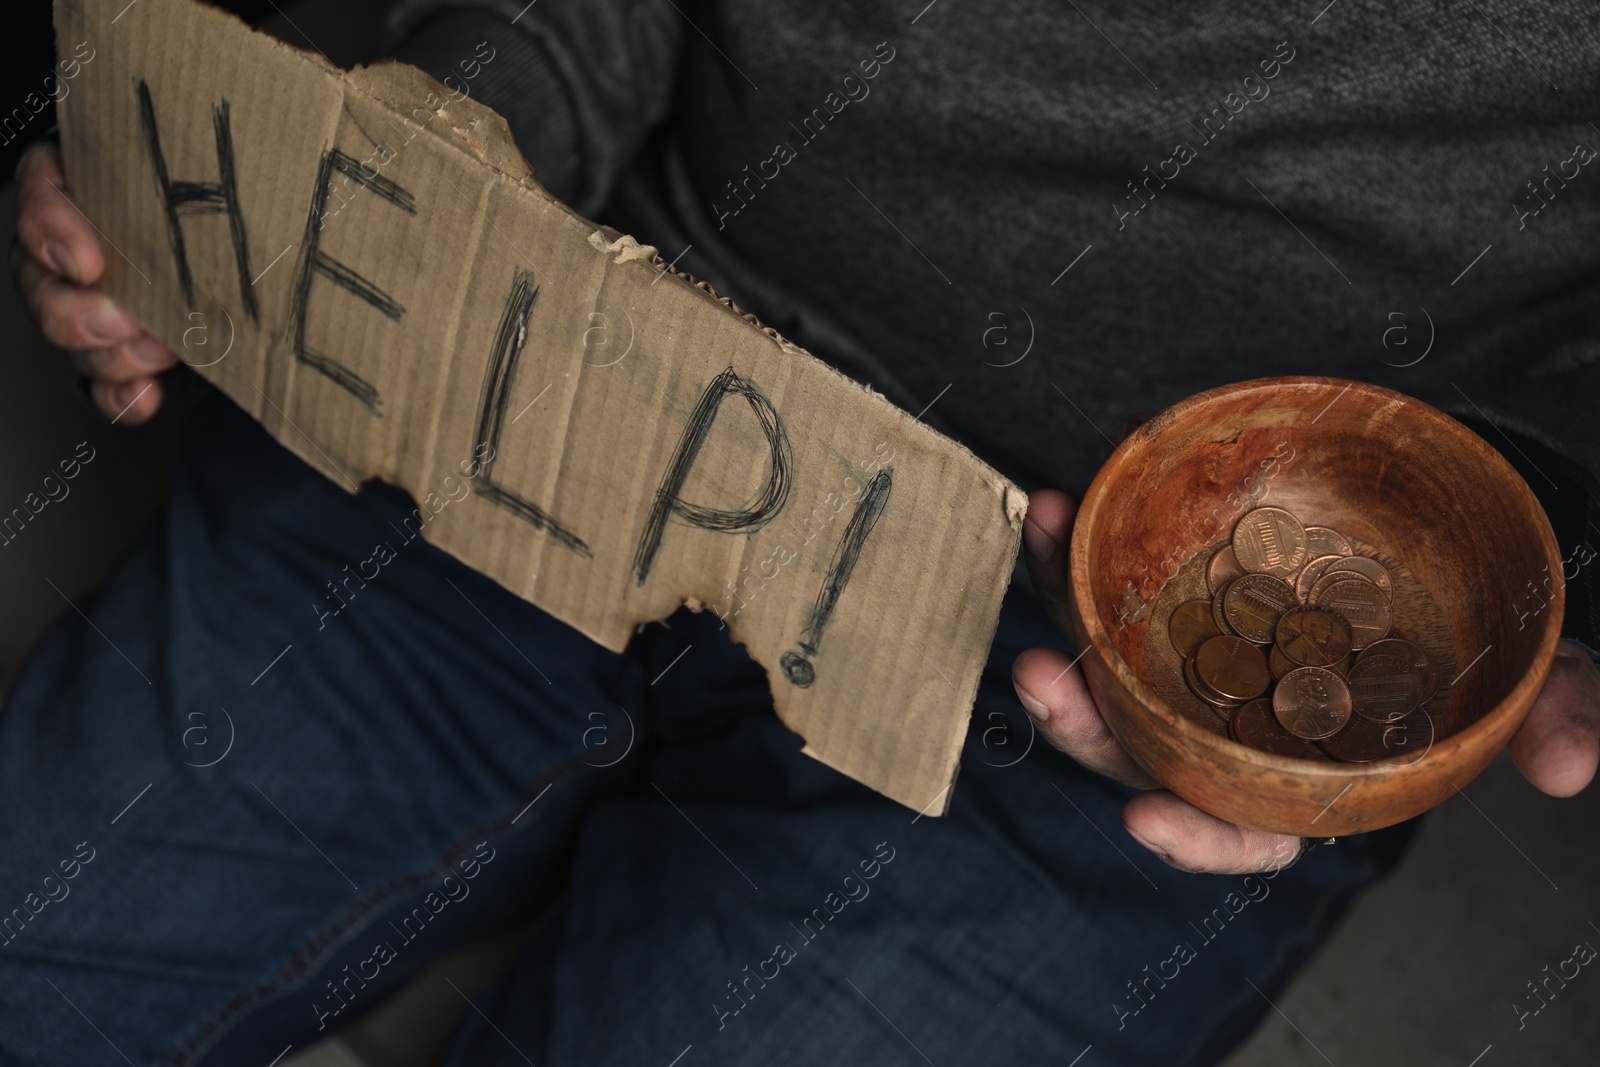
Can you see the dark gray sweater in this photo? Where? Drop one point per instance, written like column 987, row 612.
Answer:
column 1042, row 218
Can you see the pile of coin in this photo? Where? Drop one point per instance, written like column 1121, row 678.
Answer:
column 1294, row 650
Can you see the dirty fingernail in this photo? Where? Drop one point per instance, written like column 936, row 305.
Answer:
column 59, row 260
column 1041, row 546
column 1160, row 851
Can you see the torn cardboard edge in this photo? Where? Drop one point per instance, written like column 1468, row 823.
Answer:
column 438, row 328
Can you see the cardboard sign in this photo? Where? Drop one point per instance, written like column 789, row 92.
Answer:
column 364, row 263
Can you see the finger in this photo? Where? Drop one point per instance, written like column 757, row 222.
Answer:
column 1052, row 688
column 1185, row 837
column 127, row 403
column 1558, row 745
column 72, row 316
column 1046, row 536
column 49, row 224
column 142, row 357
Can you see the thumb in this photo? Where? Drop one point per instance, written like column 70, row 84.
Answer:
column 1557, row 746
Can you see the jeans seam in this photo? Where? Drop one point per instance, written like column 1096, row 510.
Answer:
column 312, row 949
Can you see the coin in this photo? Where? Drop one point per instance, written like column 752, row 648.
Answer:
column 1232, row 668
column 1326, row 541
column 1364, row 606
column 1223, row 568
column 1222, row 704
column 1218, row 613
column 1279, row 664
column 1253, row 603
column 1219, row 704
column 1421, row 662
column 1310, row 573
column 1311, row 702
column 1370, row 569
column 1361, row 741
column 1255, row 725
column 1313, row 637
column 1321, row 585
column 1270, row 541
column 1191, row 623
column 1385, row 686
column 1297, row 626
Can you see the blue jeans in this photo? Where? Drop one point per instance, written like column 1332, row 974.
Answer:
column 235, row 818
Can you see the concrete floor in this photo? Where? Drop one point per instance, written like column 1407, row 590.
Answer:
column 1501, row 883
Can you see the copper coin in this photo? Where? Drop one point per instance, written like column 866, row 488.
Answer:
column 1421, row 662
column 1313, row 637
column 1255, row 725
column 1223, row 707
column 1223, row 568
column 1312, row 702
column 1232, row 668
column 1361, row 741
column 1370, row 569
column 1191, row 623
column 1199, row 685
column 1326, row 541
column 1270, row 541
column 1279, row 664
column 1218, row 613
column 1385, row 687
column 1310, row 573
column 1364, row 606
column 1321, row 585
column 1253, row 603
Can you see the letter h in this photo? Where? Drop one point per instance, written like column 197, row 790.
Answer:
column 200, row 198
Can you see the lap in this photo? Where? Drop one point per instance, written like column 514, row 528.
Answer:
column 257, row 759
column 271, row 809
column 777, row 913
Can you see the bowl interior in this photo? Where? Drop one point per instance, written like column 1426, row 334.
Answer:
column 1380, row 467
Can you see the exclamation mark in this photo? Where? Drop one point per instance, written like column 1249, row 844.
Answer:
column 797, row 664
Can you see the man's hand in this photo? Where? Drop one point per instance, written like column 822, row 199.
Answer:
column 1557, row 747
column 56, row 262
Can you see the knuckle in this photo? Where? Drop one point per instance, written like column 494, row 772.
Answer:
column 57, row 326
column 30, row 278
column 37, row 159
column 57, row 319
column 30, row 235
column 33, row 212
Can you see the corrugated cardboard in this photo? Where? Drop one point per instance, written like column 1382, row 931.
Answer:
column 398, row 298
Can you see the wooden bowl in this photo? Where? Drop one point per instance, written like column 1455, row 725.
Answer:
column 1377, row 465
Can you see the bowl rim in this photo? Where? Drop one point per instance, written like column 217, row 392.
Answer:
column 1087, row 616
